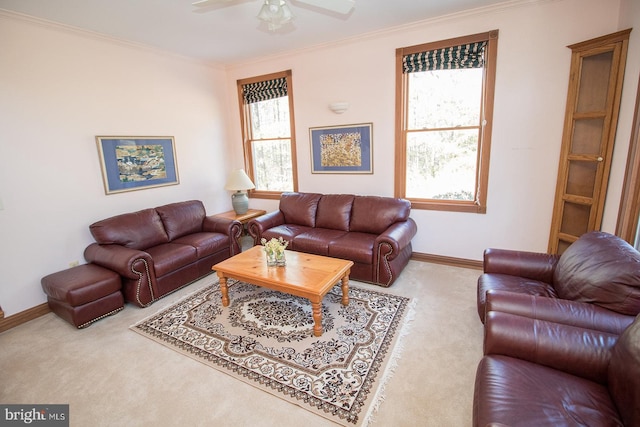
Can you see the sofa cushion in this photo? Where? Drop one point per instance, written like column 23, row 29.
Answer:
column 358, row 247
column 624, row 374
column 558, row 310
column 300, row 208
column 205, row 243
column 602, row 269
column 136, row 230
column 515, row 392
column 334, row 211
column 374, row 214
column 316, row 241
column 505, row 282
column 170, row 257
column 287, row 231
column 182, row 218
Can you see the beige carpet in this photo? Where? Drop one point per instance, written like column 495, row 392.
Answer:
column 113, row 377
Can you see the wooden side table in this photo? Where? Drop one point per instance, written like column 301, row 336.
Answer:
column 243, row 218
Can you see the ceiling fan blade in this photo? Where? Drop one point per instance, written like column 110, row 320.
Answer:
column 206, row 3
column 339, row 6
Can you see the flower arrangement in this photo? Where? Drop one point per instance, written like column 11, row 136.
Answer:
column 274, row 250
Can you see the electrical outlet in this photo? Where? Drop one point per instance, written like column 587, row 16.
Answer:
column 73, row 264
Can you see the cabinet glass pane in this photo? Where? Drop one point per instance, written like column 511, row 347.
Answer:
column 587, row 136
column 575, row 219
column 581, row 178
column 562, row 246
column 594, row 82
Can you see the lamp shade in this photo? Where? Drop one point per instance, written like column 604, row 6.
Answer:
column 238, row 180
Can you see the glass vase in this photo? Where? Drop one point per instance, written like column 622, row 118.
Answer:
column 271, row 259
column 281, row 260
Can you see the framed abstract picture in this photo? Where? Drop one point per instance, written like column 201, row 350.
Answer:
column 342, row 149
column 137, row 162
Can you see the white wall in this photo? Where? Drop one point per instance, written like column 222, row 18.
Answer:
column 532, row 81
column 629, row 18
column 61, row 88
column 58, row 90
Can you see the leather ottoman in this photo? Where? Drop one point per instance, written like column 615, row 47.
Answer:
column 83, row 294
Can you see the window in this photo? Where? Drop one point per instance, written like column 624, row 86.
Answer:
column 444, row 111
column 266, row 106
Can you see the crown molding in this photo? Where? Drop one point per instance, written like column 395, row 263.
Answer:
column 94, row 35
column 390, row 31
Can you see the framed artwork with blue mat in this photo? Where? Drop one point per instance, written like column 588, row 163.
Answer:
column 137, row 162
column 342, row 149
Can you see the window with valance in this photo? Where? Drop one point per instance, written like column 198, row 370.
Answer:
column 470, row 55
column 264, row 90
column 444, row 104
column 268, row 133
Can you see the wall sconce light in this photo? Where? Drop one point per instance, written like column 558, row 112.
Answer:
column 339, row 107
column 239, row 182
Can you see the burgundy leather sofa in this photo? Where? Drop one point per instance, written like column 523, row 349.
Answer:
column 541, row 373
column 158, row 250
column 374, row 232
column 594, row 284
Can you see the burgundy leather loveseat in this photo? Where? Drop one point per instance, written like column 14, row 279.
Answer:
column 540, row 373
column 374, row 232
column 594, row 284
column 159, row 250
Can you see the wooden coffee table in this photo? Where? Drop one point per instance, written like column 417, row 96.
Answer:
column 305, row 275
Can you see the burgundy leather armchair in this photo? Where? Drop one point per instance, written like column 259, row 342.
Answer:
column 541, row 373
column 159, row 250
column 595, row 283
column 373, row 232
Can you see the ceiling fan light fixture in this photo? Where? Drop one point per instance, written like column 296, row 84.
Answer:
column 275, row 13
column 287, row 15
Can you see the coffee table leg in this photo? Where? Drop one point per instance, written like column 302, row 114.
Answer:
column 224, row 290
column 317, row 318
column 345, row 289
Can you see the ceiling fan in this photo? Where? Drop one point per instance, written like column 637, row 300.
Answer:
column 276, row 13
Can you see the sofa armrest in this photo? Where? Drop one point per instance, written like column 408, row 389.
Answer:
column 259, row 225
column 120, row 259
column 578, row 351
column 532, row 265
column 228, row 227
column 134, row 266
column 397, row 237
column 558, row 310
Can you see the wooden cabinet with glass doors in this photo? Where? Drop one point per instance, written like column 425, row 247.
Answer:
column 593, row 102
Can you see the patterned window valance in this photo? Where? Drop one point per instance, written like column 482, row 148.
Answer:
column 263, row 91
column 451, row 58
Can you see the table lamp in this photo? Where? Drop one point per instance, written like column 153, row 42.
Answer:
column 239, row 182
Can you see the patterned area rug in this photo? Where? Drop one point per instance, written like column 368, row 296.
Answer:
column 265, row 338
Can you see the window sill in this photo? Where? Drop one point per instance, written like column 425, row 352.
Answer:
column 274, row 195
column 451, row 206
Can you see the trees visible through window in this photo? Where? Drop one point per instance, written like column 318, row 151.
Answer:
column 267, row 130
column 444, row 111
